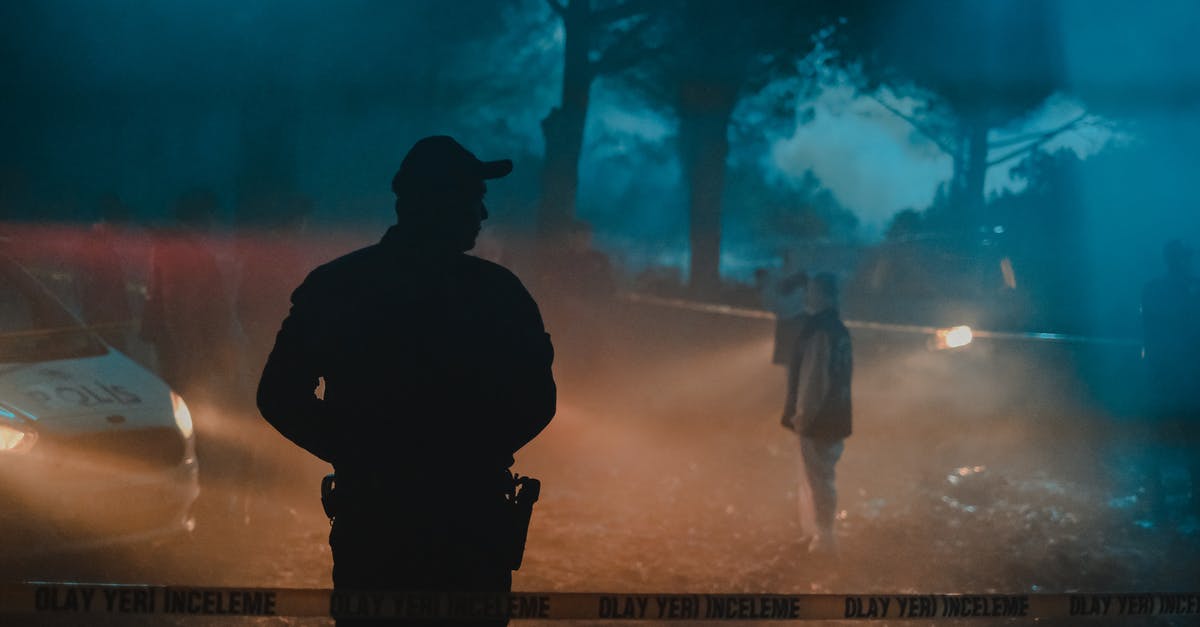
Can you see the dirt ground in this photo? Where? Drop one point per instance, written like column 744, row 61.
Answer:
column 666, row 470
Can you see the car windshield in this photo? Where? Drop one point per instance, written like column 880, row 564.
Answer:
column 35, row 327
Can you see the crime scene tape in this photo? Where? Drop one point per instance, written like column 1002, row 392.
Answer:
column 65, row 598
column 758, row 314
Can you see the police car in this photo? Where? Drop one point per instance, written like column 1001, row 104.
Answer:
column 94, row 449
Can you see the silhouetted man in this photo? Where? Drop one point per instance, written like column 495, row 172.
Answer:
column 1171, row 315
column 436, row 369
column 818, row 408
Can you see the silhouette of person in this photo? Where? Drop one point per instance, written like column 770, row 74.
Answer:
column 817, row 408
column 436, row 370
column 188, row 316
column 1170, row 312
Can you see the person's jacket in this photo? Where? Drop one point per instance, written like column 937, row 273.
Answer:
column 436, row 367
column 818, row 400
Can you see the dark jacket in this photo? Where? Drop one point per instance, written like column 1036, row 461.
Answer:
column 436, row 366
column 818, row 401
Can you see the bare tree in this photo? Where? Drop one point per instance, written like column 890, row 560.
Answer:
column 600, row 39
column 716, row 53
column 973, row 66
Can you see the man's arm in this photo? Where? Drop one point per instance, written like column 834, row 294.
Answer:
column 287, row 391
column 793, row 380
column 815, row 391
column 524, row 393
column 841, row 367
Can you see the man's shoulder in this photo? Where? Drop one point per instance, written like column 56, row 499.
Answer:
column 343, row 271
column 350, row 262
column 491, row 273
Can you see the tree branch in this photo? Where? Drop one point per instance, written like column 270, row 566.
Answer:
column 1038, row 141
column 941, row 143
column 1020, row 139
column 626, row 51
column 623, row 11
column 558, row 8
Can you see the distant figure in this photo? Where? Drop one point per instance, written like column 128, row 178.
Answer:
column 188, row 316
column 1171, row 315
column 100, row 277
column 783, row 295
column 436, row 369
column 818, row 408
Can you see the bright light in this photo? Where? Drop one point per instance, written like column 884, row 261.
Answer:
column 13, row 440
column 957, row 337
column 954, row 337
column 183, row 416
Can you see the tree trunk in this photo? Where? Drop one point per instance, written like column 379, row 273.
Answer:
column 563, row 127
column 704, row 113
column 970, row 173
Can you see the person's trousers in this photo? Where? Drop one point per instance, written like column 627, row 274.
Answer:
column 819, row 458
column 405, row 553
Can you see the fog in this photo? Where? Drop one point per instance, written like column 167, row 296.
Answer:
column 1056, row 137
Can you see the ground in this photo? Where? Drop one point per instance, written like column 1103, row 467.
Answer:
column 666, row 470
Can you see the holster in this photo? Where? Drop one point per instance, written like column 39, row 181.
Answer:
column 519, row 496
column 519, row 500
column 328, row 484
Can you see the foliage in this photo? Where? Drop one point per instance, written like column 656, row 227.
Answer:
column 784, row 210
column 991, row 58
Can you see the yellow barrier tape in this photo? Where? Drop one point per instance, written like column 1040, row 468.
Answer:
column 62, row 598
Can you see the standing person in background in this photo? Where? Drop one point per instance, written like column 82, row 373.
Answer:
column 1171, row 344
column 817, row 409
column 188, row 316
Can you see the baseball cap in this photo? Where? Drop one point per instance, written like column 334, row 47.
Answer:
column 440, row 159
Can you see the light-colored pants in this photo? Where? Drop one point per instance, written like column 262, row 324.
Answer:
column 818, row 492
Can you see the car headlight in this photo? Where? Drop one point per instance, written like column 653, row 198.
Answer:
column 953, row 337
column 15, row 435
column 183, row 416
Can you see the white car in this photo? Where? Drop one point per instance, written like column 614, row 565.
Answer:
column 94, row 449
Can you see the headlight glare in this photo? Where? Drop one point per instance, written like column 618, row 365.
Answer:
column 953, row 337
column 183, row 416
column 15, row 440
